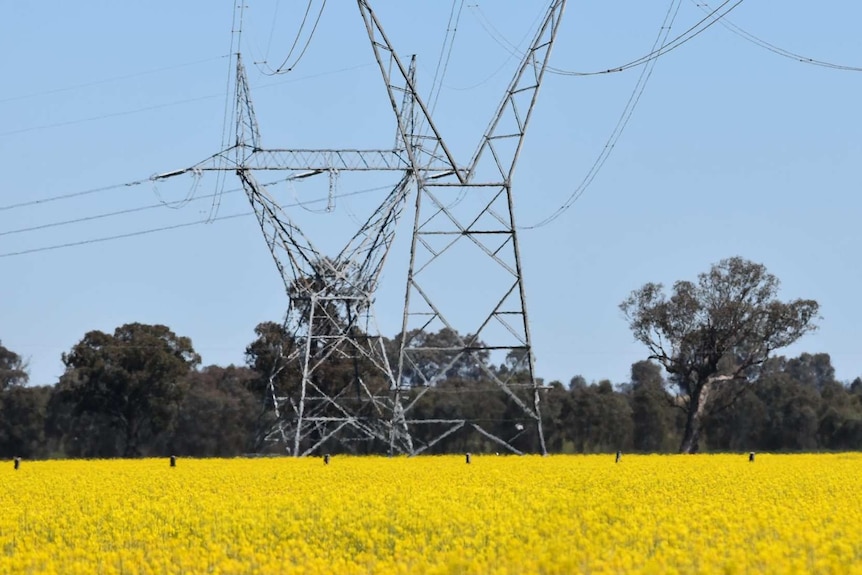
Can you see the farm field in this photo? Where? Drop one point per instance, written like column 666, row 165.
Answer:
column 499, row 514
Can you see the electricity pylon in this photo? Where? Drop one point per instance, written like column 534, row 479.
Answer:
column 331, row 313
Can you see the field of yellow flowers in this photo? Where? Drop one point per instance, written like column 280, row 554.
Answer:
column 499, row 514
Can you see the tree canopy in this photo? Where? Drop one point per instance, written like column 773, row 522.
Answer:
column 709, row 335
column 131, row 378
column 13, row 370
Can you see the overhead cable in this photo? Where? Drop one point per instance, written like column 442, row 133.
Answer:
column 272, row 29
column 631, row 104
column 109, row 80
column 749, row 37
column 164, row 228
column 515, row 51
column 284, row 67
column 692, row 32
column 71, row 195
column 445, row 53
column 122, row 236
column 177, row 102
column 229, row 109
column 695, row 30
column 105, row 116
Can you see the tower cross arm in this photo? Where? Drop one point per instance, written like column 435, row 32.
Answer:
column 323, row 160
column 313, row 161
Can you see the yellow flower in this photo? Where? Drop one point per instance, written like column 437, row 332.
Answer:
column 430, row 515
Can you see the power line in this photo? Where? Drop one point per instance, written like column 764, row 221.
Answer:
column 650, row 58
column 105, row 215
column 109, row 80
column 692, row 32
column 229, row 110
column 160, row 204
column 515, row 51
column 272, row 29
column 710, row 19
column 109, row 115
column 445, row 54
column 165, row 228
column 175, row 103
column 71, row 195
column 283, row 68
column 122, row 236
column 749, row 37
column 622, row 122
column 298, row 32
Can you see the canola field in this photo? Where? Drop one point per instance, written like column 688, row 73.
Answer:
column 497, row 515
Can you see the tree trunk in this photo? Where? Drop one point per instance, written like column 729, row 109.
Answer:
column 131, row 448
column 694, row 419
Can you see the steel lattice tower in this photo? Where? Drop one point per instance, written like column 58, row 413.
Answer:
column 458, row 207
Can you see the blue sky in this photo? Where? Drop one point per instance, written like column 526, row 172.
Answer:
column 732, row 150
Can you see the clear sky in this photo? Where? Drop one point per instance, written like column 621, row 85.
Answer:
column 731, row 150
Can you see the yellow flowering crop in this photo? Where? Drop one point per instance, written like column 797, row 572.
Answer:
column 499, row 515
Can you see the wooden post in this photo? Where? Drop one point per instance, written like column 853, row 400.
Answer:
column 619, row 456
column 467, row 458
column 751, row 457
column 326, row 459
column 17, row 462
column 173, row 460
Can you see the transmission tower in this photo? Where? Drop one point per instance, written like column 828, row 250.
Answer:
column 331, row 311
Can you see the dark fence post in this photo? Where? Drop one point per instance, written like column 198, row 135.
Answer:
column 467, row 457
column 17, row 462
column 326, row 459
column 173, row 460
column 751, row 457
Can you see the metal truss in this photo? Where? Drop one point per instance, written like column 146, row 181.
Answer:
column 477, row 209
column 331, row 312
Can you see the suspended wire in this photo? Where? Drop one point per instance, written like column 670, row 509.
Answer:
column 179, row 102
column 123, row 236
column 692, row 32
column 93, row 217
column 71, row 195
column 701, row 26
column 229, row 107
column 631, row 104
column 284, row 67
column 514, row 52
column 299, row 32
column 109, row 115
column 749, row 37
column 272, row 29
column 172, row 204
column 445, row 54
column 109, row 80
column 160, row 229
column 442, row 67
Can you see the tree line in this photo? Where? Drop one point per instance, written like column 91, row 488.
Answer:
column 160, row 402
column 710, row 381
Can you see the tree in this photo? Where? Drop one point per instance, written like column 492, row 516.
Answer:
column 132, row 380
column 22, row 420
column 22, row 409
column 218, row 414
column 711, row 336
column 651, row 408
column 13, row 370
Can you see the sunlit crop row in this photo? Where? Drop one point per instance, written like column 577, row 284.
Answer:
column 501, row 515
